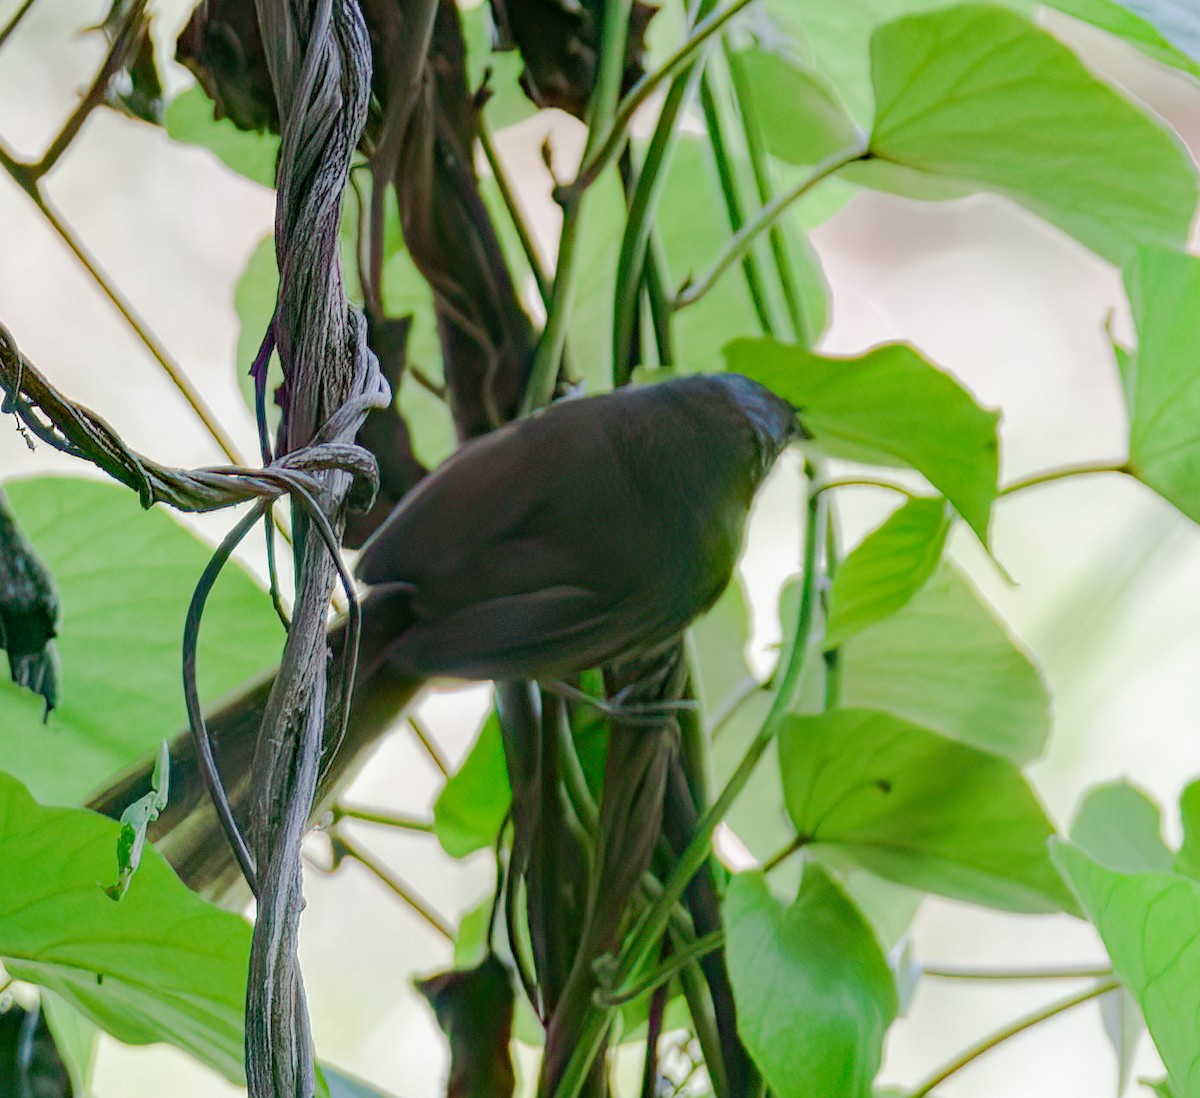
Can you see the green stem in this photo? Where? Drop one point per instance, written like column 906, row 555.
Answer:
column 15, row 21
column 642, row 207
column 781, row 856
column 693, row 951
column 574, row 779
column 1063, row 473
column 384, row 819
column 734, row 209
column 704, row 1025
column 1019, row 1026
column 515, row 214
column 597, row 159
column 759, row 166
column 546, row 360
column 419, row 906
column 662, row 308
column 1078, row 972
column 734, row 700
column 692, row 292
column 544, row 372
column 863, row 482
column 428, row 743
column 638, row 263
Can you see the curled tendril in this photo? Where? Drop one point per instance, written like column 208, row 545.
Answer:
column 80, row 432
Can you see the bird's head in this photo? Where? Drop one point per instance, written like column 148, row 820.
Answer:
column 775, row 422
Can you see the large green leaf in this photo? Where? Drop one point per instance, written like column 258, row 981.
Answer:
column 919, row 809
column 1150, row 926
column 813, row 990
column 978, row 97
column 946, row 662
column 190, row 120
column 471, row 807
column 801, row 119
column 834, row 39
column 887, row 407
column 1120, row 827
column 890, row 566
column 1162, row 384
column 125, row 577
column 1187, row 861
column 1167, row 30
column 159, row 965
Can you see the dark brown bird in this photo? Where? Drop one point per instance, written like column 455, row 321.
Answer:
column 592, row 532
column 585, row 535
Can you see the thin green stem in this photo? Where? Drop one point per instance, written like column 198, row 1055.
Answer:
column 658, row 298
column 574, row 779
column 606, row 148
column 691, row 292
column 1076, row 972
column 760, row 167
column 734, row 208
column 1019, row 1026
column 418, row 905
column 693, row 951
column 548, row 356
column 635, row 262
column 781, row 856
column 544, row 372
column 515, row 214
column 704, row 1024
column 1051, row 475
column 734, row 700
column 384, row 819
column 15, row 21
column 643, row 205
column 862, row 482
column 169, row 366
column 430, row 746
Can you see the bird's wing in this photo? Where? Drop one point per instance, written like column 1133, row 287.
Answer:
column 490, row 490
column 544, row 633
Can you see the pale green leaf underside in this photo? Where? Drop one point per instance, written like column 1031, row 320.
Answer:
column 946, row 662
column 890, row 566
column 979, row 96
column 1162, row 384
column 919, row 809
column 124, row 577
column 160, row 965
column 1150, row 925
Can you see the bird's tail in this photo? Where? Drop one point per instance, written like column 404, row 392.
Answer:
column 187, row 832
